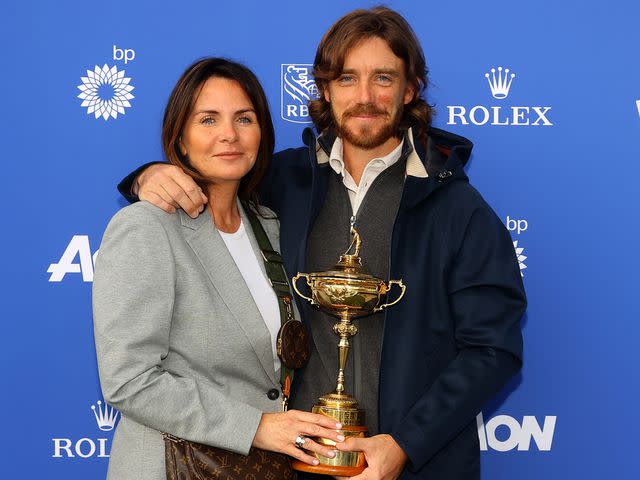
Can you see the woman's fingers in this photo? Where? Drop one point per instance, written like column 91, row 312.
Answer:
column 301, row 455
column 313, row 430
column 315, row 447
column 318, row 419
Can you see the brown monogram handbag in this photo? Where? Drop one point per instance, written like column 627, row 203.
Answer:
column 187, row 460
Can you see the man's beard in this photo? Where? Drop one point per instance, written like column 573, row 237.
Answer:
column 366, row 137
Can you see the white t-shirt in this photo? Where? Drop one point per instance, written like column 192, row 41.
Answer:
column 242, row 252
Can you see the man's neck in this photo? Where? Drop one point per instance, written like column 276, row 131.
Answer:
column 356, row 158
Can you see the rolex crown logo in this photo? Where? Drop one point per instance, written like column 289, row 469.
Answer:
column 105, row 416
column 500, row 84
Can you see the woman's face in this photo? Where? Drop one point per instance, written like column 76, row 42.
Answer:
column 222, row 135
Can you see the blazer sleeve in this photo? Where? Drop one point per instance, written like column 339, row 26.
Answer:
column 133, row 297
column 487, row 301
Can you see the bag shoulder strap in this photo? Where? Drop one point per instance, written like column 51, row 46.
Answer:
column 277, row 276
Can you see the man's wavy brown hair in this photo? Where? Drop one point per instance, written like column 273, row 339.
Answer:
column 346, row 33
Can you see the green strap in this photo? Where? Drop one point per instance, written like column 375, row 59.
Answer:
column 277, row 276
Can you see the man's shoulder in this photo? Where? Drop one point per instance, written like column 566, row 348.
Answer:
column 297, row 154
column 462, row 194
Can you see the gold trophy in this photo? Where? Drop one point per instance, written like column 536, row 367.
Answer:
column 346, row 292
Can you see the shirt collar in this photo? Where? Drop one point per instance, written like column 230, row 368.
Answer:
column 336, row 160
column 415, row 166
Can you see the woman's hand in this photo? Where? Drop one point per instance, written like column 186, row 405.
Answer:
column 278, row 431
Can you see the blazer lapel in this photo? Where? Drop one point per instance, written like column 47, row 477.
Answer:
column 206, row 242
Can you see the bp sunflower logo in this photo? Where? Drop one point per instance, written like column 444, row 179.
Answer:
column 105, row 92
column 521, row 257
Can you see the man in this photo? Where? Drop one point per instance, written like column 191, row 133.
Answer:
column 424, row 369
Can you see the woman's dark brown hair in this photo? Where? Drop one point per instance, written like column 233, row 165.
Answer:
column 346, row 33
column 181, row 102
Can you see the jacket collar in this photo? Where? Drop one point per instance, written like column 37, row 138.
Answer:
column 428, row 169
column 325, row 142
column 444, row 149
column 206, row 242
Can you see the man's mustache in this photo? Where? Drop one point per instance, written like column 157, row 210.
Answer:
column 368, row 109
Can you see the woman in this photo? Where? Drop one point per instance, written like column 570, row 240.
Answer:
column 185, row 319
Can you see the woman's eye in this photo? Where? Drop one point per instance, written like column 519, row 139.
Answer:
column 245, row 120
column 207, row 121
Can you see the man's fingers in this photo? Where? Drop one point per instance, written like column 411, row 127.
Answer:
column 158, row 201
column 190, row 188
column 179, row 197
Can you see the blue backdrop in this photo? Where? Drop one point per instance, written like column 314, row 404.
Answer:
column 556, row 156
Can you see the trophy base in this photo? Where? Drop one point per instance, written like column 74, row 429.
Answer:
column 337, row 470
column 343, row 408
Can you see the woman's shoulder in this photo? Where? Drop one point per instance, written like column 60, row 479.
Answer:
column 143, row 217
column 268, row 219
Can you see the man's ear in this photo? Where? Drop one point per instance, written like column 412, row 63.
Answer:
column 409, row 92
column 326, row 94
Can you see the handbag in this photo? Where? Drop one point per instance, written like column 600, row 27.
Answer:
column 187, row 460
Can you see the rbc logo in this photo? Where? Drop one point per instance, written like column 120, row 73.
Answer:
column 519, row 435
column 297, row 88
column 78, row 246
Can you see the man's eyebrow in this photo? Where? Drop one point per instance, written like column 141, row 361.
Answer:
column 386, row 70
column 389, row 71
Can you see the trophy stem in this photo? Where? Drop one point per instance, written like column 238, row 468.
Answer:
column 346, row 330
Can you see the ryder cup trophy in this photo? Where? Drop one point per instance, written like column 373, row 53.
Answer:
column 346, row 292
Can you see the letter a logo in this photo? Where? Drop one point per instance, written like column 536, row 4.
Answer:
column 79, row 245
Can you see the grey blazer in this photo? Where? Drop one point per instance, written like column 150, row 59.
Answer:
column 181, row 345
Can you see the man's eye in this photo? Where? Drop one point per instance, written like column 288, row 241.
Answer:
column 346, row 79
column 384, row 78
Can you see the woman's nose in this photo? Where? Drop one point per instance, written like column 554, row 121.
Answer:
column 228, row 132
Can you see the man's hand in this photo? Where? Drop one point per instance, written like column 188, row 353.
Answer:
column 168, row 187
column 384, row 456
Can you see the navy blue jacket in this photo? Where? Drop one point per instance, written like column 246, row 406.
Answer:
column 455, row 339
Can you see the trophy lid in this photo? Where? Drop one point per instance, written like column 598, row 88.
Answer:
column 349, row 266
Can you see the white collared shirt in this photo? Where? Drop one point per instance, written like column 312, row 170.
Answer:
column 374, row 168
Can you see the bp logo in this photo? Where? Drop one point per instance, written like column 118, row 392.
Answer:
column 518, row 226
column 521, row 256
column 297, row 88
column 105, row 92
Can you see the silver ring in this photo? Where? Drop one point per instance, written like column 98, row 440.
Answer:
column 300, row 441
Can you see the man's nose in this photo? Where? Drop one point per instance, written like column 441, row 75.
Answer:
column 364, row 93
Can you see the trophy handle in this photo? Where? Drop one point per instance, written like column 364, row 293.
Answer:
column 294, row 282
column 386, row 305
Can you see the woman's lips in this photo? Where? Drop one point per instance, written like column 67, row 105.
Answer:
column 228, row 155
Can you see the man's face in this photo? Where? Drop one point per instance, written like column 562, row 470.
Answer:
column 368, row 97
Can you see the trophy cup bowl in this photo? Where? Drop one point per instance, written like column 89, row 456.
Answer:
column 346, row 292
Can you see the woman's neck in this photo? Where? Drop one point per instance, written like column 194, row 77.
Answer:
column 223, row 206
